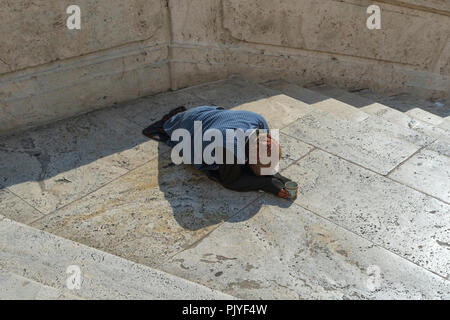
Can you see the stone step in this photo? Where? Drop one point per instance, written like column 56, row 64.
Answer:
column 358, row 142
column 415, row 118
column 425, row 116
column 412, row 106
column 277, row 251
column 43, row 258
column 174, row 219
column 318, row 100
column 14, row 287
column 390, row 214
column 383, row 118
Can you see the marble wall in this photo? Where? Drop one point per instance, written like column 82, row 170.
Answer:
column 128, row 49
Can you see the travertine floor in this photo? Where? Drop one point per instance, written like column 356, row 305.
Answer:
column 372, row 219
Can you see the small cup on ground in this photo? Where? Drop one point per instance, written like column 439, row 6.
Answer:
column 292, row 188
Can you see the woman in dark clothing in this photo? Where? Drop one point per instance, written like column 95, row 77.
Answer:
column 236, row 176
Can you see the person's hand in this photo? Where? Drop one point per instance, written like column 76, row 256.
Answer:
column 283, row 194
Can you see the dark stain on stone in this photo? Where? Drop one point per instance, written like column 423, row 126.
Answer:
column 245, row 284
column 169, row 165
column 63, row 180
column 222, row 258
column 443, row 244
column 218, row 274
column 249, row 267
column 207, row 261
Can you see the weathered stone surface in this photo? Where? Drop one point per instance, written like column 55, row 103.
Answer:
column 340, row 110
column 192, row 66
column 122, row 51
column 40, row 96
column 196, row 21
column 157, row 213
column 291, row 253
column 231, row 93
column 297, row 92
column 44, row 258
column 441, row 146
column 150, row 109
column 425, row 116
column 36, row 33
column 404, row 102
column 60, row 163
column 385, row 212
column 426, row 171
column 16, row 209
column 148, row 214
column 445, row 124
column 292, row 150
column 428, row 132
column 357, row 142
column 277, row 110
column 14, row 287
column 339, row 27
column 404, row 120
column 343, row 105
column 333, row 104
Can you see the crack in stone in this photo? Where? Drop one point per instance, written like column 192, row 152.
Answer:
column 443, row 244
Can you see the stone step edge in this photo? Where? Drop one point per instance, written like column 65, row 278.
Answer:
column 45, row 258
column 320, row 94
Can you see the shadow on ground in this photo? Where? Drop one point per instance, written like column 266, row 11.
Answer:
column 55, row 165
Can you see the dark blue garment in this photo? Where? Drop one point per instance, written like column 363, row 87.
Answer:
column 213, row 118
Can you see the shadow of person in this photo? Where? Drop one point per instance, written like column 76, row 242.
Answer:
column 198, row 202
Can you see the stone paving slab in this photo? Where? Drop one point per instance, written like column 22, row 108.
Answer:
column 344, row 105
column 357, row 142
column 16, row 209
column 425, row 116
column 14, row 287
column 341, row 110
column 320, row 101
column 156, row 210
column 398, row 218
column 404, row 133
column 148, row 214
column 441, row 146
column 117, row 191
column 416, row 112
column 292, row 150
column 426, row 171
column 279, row 111
column 148, row 110
column 55, row 165
column 44, row 258
column 232, row 92
column 290, row 253
column 445, row 125
column 406, row 121
column 405, row 102
column 296, row 92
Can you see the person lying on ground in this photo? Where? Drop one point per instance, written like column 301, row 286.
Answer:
column 243, row 176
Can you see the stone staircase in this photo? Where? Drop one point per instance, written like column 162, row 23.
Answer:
column 34, row 265
column 371, row 220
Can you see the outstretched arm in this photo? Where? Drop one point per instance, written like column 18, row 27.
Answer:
column 241, row 178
